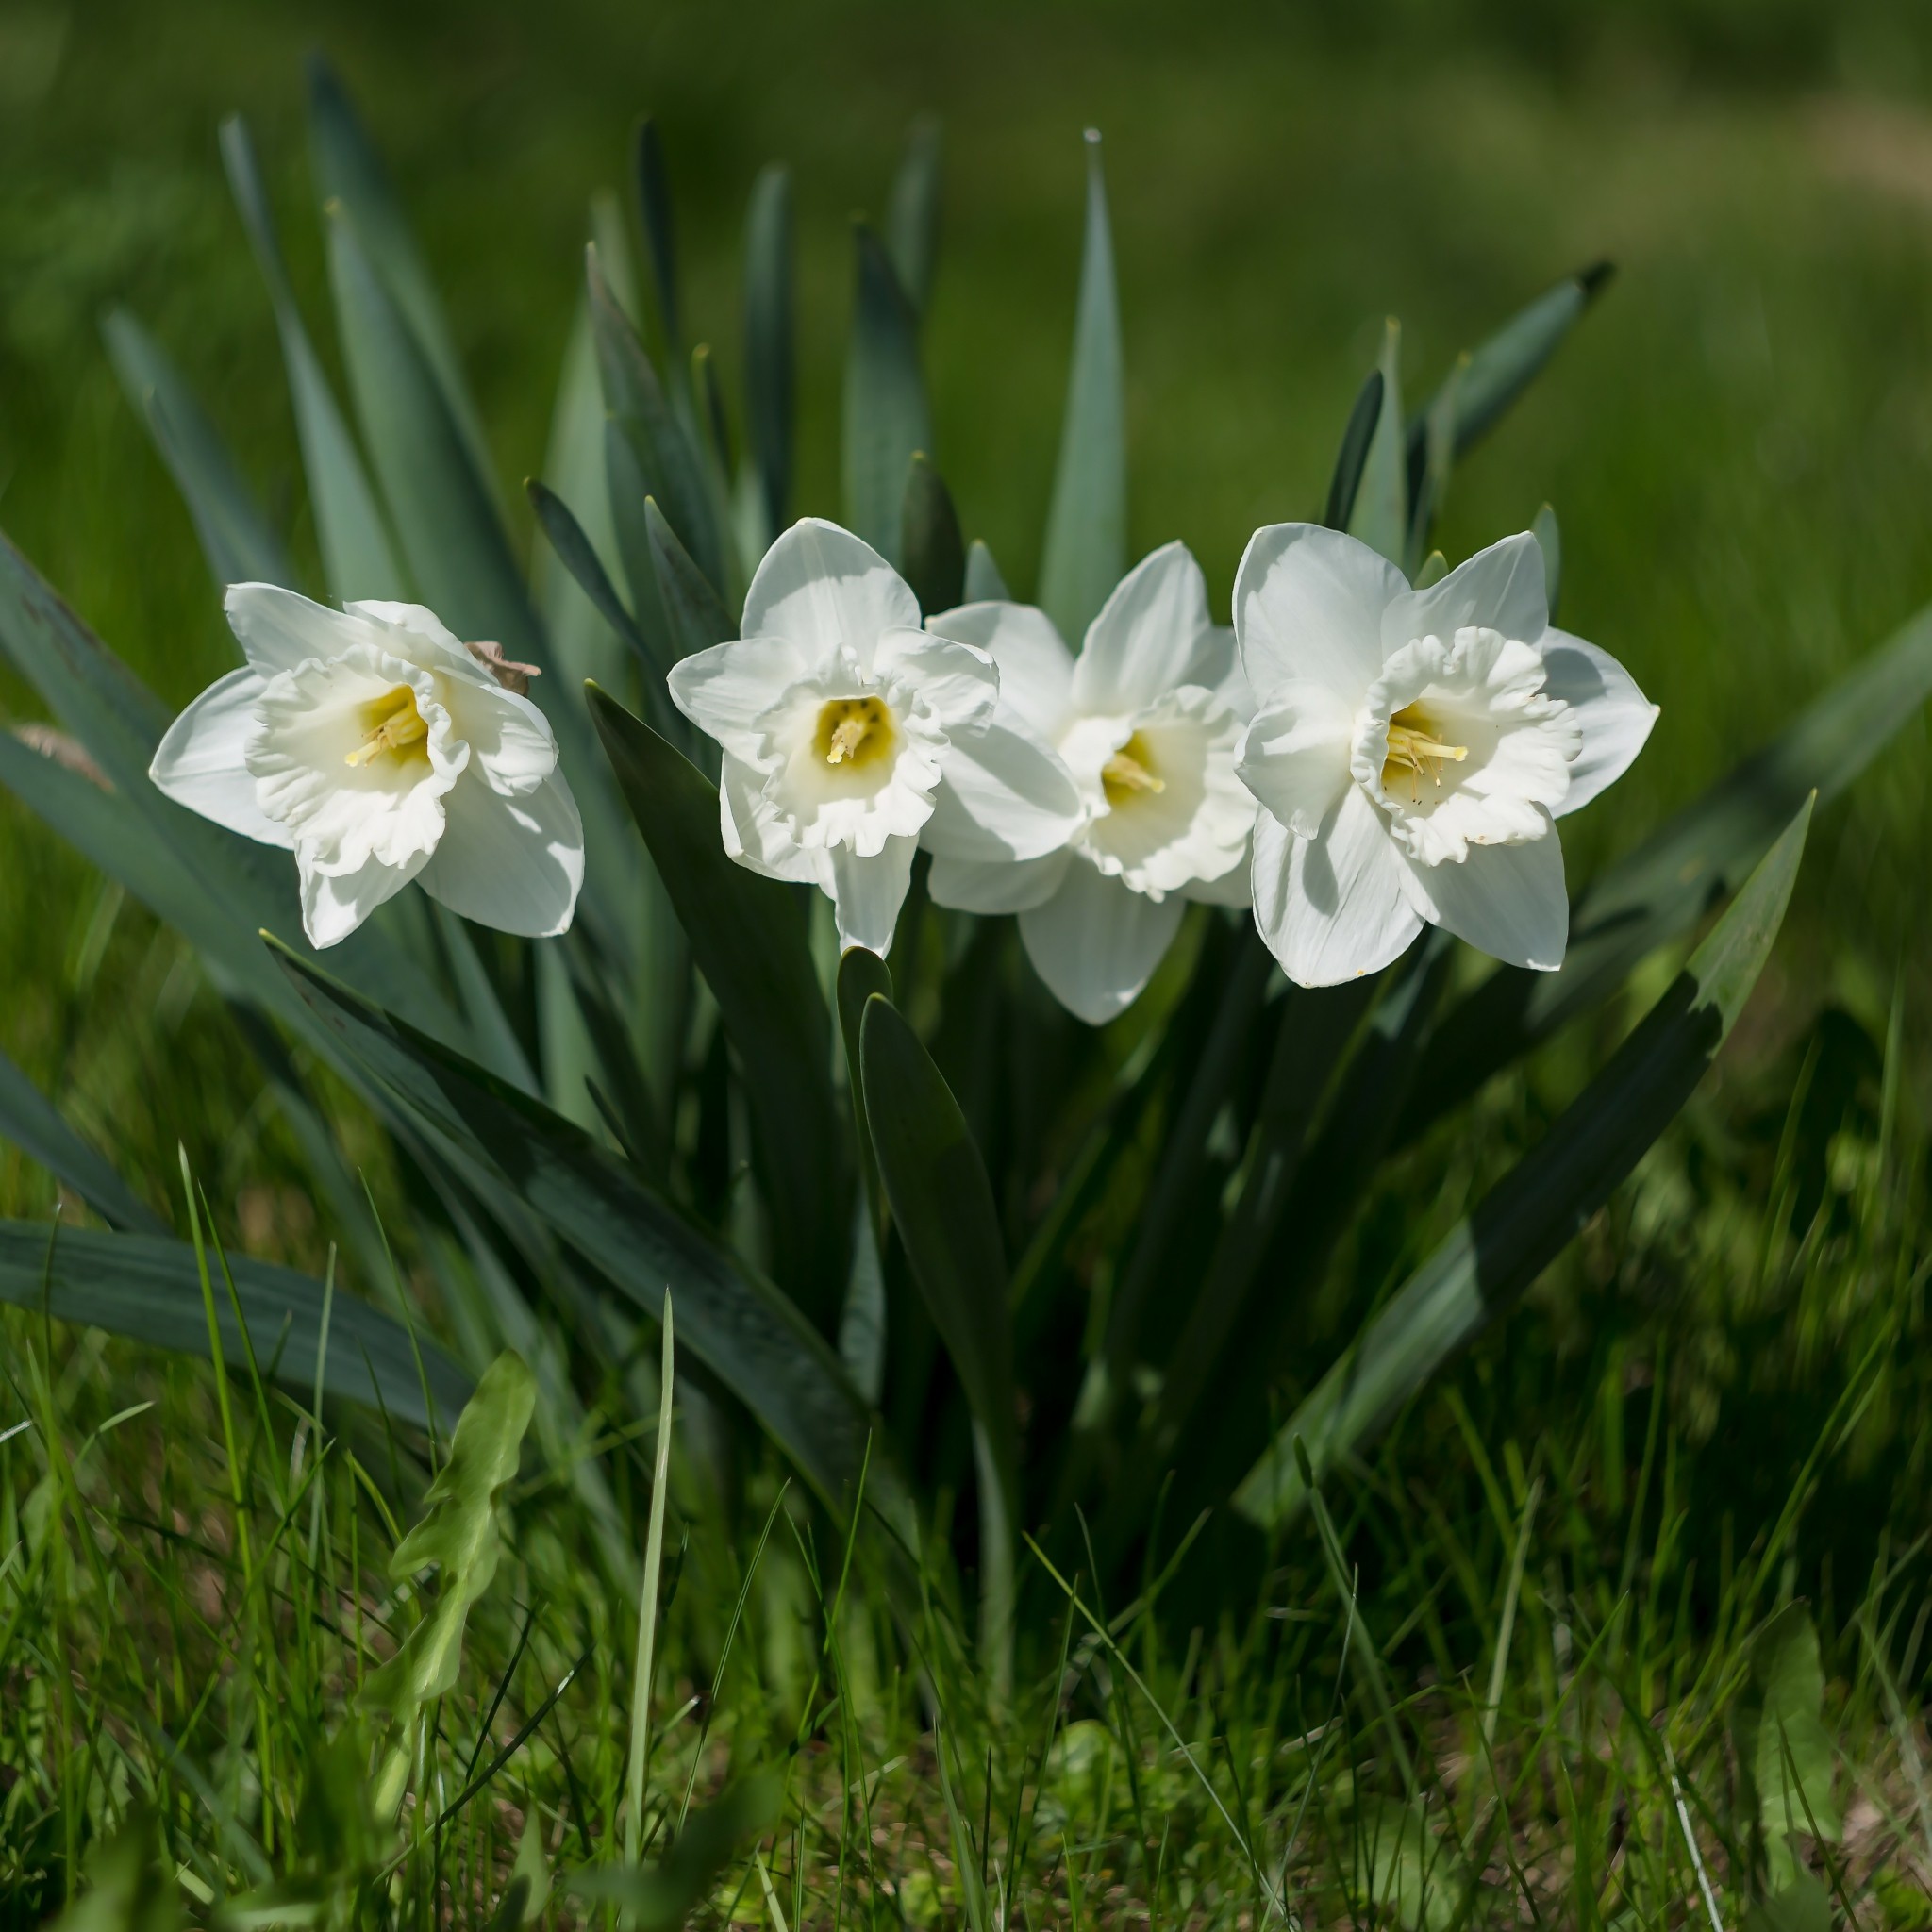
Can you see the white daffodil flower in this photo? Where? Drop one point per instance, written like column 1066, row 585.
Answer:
column 852, row 737
column 379, row 748
column 1413, row 749
column 1147, row 719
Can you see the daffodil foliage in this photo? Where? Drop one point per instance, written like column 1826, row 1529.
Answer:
column 987, row 1016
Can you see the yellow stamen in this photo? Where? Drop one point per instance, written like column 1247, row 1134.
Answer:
column 1414, row 747
column 1129, row 772
column 854, row 732
column 392, row 724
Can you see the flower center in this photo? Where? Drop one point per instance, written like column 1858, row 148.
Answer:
column 1415, row 748
column 1130, row 772
column 390, row 723
column 854, row 732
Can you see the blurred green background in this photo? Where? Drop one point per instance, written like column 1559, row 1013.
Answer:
column 1738, row 440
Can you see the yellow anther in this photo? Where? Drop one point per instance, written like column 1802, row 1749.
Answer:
column 853, row 732
column 393, row 723
column 1414, row 747
column 1130, row 772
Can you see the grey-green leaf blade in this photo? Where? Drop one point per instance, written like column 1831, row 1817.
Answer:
column 148, row 1289
column 886, row 414
column 358, row 556
column 943, row 1208
column 1490, row 1258
column 1085, row 548
column 236, row 537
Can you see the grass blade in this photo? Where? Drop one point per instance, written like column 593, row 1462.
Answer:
column 647, row 1596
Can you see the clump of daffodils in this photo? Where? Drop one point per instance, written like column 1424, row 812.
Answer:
column 1356, row 758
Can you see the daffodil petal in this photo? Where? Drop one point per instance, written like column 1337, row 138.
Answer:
column 1035, row 666
column 1332, row 908
column 1309, row 604
column 1507, row 901
column 959, row 683
column 725, row 691
column 512, row 745
column 822, row 587
column 1294, row 758
column 974, row 885
column 334, row 904
column 1003, row 795
column 1499, row 588
column 758, row 836
column 199, row 763
column 1151, row 634
column 515, row 864
column 1616, row 717
column 279, row 630
column 1096, row 942
column 867, row 893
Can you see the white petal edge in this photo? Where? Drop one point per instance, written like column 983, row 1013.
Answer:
column 1151, row 634
column 1615, row 715
column 1294, row 754
column 512, row 864
column 1003, row 794
column 335, row 904
column 867, row 893
column 754, row 833
column 822, row 587
column 1096, row 942
column 1332, row 908
column 961, row 684
column 1035, row 667
column 725, row 689
column 199, row 761
column 973, row 885
column 1507, row 901
column 279, row 630
column 1308, row 604
column 1501, row 588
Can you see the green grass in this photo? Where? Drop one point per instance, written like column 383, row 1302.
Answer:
column 1714, row 1407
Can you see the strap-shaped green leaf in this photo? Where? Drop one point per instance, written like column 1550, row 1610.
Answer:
column 148, row 1289
column 1663, row 888
column 660, row 233
column 578, row 556
column 935, row 553
column 235, row 536
column 695, row 614
column 943, row 1208
column 1495, row 374
column 1489, row 1261
column 439, row 493
column 518, row 1157
column 749, row 941
column 668, row 462
column 1351, row 457
column 770, row 355
column 33, row 1124
column 886, row 414
column 1381, row 515
column 984, row 582
column 349, row 175
column 357, row 557
column 912, row 213
column 1085, row 549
